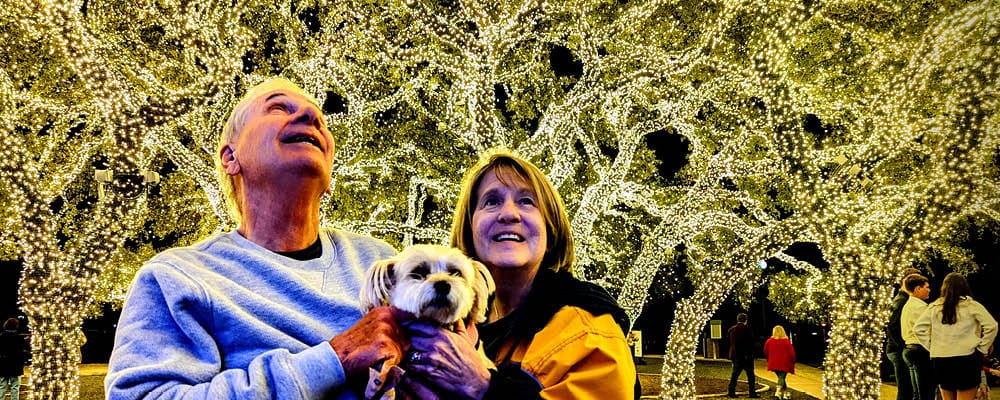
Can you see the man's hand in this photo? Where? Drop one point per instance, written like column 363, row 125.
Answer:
column 374, row 339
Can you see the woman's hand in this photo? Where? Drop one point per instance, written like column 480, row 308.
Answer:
column 448, row 360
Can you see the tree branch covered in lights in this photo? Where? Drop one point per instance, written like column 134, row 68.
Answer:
column 869, row 129
column 803, row 294
column 72, row 96
column 890, row 171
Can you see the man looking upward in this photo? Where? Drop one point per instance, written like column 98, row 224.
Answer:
column 270, row 310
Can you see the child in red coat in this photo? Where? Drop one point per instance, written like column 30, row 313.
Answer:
column 780, row 359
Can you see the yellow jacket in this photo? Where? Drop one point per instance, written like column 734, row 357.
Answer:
column 578, row 356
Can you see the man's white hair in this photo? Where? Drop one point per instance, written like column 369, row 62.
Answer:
column 230, row 132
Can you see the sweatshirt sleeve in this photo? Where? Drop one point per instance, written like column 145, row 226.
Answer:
column 164, row 350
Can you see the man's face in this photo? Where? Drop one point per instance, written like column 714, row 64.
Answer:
column 923, row 292
column 284, row 133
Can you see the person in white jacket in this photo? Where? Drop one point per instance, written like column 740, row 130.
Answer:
column 958, row 331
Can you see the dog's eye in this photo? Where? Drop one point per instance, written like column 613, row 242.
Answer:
column 420, row 272
column 454, row 272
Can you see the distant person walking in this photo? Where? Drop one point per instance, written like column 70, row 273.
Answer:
column 958, row 331
column 741, row 347
column 780, row 359
column 13, row 355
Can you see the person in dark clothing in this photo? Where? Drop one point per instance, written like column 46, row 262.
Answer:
column 14, row 352
column 894, row 343
column 741, row 347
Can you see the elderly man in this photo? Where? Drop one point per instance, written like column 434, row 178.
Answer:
column 269, row 310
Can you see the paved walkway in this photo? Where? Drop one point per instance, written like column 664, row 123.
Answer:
column 93, row 369
column 808, row 380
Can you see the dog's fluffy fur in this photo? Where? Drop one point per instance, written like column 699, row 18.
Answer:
column 436, row 283
column 432, row 282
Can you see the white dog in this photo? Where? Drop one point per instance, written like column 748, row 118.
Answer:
column 433, row 282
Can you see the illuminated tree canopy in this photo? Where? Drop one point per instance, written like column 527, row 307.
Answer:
column 869, row 128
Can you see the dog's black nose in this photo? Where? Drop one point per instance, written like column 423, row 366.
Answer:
column 442, row 287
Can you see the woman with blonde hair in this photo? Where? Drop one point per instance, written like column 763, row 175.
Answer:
column 551, row 335
column 780, row 359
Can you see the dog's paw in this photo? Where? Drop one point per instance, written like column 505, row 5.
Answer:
column 382, row 384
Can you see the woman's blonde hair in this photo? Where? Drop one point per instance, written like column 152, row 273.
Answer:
column 779, row 332
column 503, row 164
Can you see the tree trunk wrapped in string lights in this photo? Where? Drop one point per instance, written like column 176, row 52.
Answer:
column 900, row 172
column 68, row 106
column 60, row 271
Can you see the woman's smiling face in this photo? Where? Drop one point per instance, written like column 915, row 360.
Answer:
column 509, row 229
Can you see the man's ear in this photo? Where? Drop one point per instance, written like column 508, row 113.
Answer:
column 229, row 162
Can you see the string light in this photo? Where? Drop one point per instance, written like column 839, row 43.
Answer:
column 868, row 129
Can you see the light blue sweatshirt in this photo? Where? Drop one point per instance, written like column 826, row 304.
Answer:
column 228, row 319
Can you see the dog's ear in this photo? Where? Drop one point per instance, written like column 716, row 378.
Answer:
column 484, row 287
column 378, row 283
